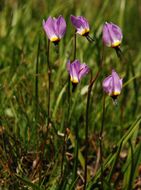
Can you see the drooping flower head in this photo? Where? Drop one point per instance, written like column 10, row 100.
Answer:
column 112, row 35
column 81, row 25
column 55, row 28
column 77, row 71
column 112, row 85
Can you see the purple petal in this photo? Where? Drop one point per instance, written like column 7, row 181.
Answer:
column 49, row 28
column 117, row 33
column 106, row 36
column 80, row 23
column 77, row 65
column 74, row 69
column 77, row 70
column 61, row 26
column 112, row 84
column 108, row 85
column 76, row 22
column 84, row 21
column 117, row 83
column 112, row 35
column 84, row 69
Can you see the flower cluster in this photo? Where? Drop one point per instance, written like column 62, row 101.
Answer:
column 55, row 29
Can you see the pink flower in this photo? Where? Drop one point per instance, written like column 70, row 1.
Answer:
column 81, row 25
column 55, row 28
column 112, row 35
column 112, row 85
column 77, row 71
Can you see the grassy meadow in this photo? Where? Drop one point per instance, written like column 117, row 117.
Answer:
column 54, row 138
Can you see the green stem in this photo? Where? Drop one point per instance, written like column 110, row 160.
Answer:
column 76, row 127
column 86, row 136
column 100, row 141
column 36, row 84
column 74, row 54
column 49, row 81
column 132, row 166
column 115, row 162
column 68, row 124
column 76, row 154
column 37, row 101
column 42, row 147
column 87, row 125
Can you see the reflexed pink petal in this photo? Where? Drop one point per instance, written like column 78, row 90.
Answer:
column 76, row 22
column 84, row 69
column 77, row 70
column 117, row 86
column 106, row 36
column 49, row 27
column 81, row 24
column 117, row 31
column 77, row 65
column 74, row 72
column 108, row 85
column 61, row 24
column 84, row 21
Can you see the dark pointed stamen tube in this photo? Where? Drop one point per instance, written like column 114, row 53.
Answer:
column 90, row 39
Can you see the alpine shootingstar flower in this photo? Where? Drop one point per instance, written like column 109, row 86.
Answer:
column 81, row 25
column 112, row 35
column 55, row 28
column 112, row 85
column 77, row 71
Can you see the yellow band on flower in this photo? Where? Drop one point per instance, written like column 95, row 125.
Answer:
column 116, row 43
column 115, row 93
column 74, row 79
column 84, row 31
column 54, row 39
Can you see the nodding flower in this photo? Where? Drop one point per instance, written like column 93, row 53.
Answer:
column 81, row 25
column 55, row 28
column 112, row 85
column 111, row 35
column 77, row 71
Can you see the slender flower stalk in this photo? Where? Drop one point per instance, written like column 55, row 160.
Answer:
column 92, row 80
column 36, row 83
column 76, row 154
column 49, row 81
column 42, row 147
column 100, row 141
column 76, row 71
column 68, row 121
column 55, row 29
column 74, row 54
column 37, row 105
column 86, row 133
column 112, row 85
column 82, row 26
